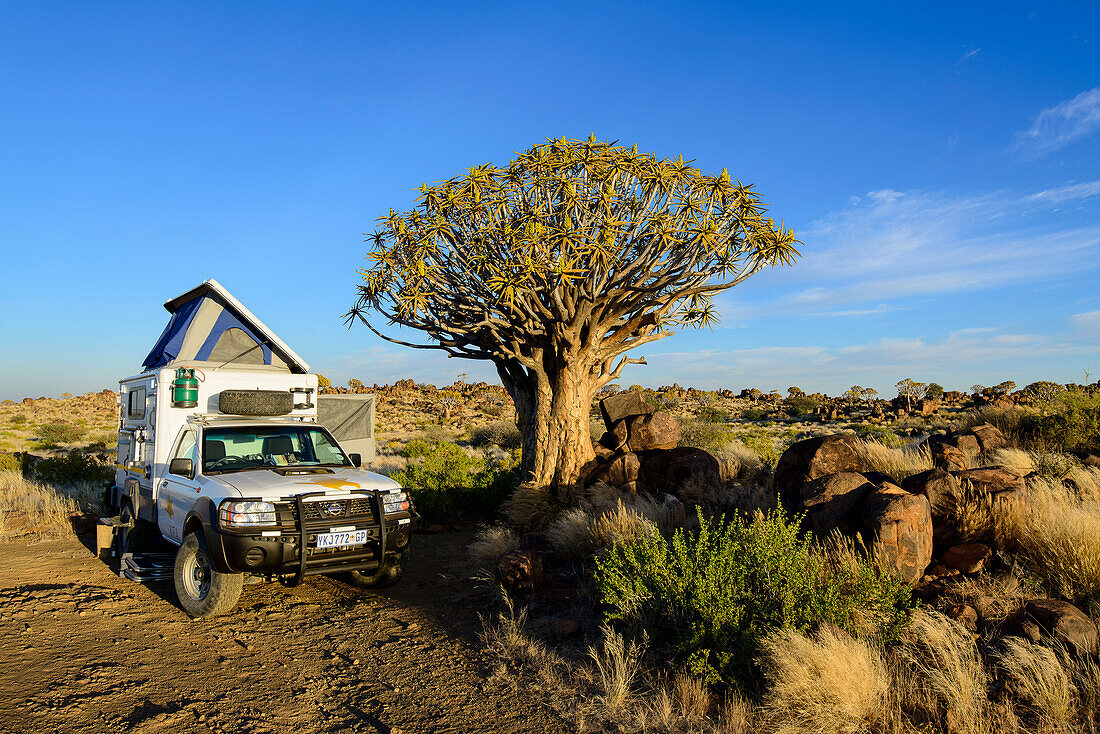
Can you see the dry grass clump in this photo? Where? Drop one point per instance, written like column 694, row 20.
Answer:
column 938, row 673
column 492, row 543
column 1017, row 460
column 724, row 496
column 738, row 462
column 531, row 507
column 1085, row 481
column 828, row 684
column 617, row 664
column 30, row 509
column 895, row 463
column 1058, row 536
column 1039, row 681
column 509, row 641
column 578, row 532
column 1007, row 420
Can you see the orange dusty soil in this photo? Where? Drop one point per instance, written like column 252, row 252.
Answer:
column 82, row 650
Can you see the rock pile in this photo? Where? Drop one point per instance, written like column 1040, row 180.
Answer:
column 905, row 525
column 640, row 449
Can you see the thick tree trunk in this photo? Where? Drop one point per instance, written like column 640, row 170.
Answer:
column 552, row 413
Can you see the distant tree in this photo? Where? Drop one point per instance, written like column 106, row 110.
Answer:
column 977, row 390
column 558, row 264
column 610, row 389
column 448, row 400
column 323, row 381
column 853, row 394
column 934, row 391
column 869, row 393
column 755, row 395
column 1004, row 388
column 794, row 392
column 355, row 385
column 1044, row 392
column 910, row 390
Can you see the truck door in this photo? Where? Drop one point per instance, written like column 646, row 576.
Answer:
column 178, row 493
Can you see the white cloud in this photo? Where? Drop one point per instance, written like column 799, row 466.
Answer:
column 1072, row 192
column 1087, row 324
column 957, row 360
column 1062, row 124
column 970, row 54
column 891, row 245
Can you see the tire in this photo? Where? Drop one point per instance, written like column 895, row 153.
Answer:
column 388, row 574
column 201, row 590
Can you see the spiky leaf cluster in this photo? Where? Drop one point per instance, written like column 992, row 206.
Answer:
column 574, row 240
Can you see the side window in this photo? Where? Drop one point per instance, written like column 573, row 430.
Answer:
column 186, row 447
column 135, row 407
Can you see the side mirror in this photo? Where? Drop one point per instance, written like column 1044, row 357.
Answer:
column 356, row 460
column 181, row 467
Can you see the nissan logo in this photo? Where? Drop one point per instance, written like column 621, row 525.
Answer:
column 332, row 509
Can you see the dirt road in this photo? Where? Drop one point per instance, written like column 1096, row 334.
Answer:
column 82, row 650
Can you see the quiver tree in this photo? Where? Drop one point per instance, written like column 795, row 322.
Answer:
column 558, row 264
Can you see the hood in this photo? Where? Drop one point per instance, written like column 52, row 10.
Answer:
column 266, row 484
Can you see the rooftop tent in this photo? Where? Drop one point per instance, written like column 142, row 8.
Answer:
column 209, row 325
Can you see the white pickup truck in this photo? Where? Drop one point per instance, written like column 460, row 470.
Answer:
column 221, row 455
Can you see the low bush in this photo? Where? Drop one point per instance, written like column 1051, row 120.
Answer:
column 754, row 414
column 35, row 509
column 73, row 468
column 17, row 420
column 59, row 432
column 500, row 433
column 1072, row 424
column 710, row 414
column 711, row 437
column 798, row 405
column 445, row 480
column 710, row 597
column 9, row 462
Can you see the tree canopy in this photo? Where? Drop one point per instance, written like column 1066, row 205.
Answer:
column 563, row 260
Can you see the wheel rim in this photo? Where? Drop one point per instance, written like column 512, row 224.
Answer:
column 196, row 576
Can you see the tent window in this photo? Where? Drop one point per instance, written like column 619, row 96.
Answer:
column 135, row 407
column 232, row 344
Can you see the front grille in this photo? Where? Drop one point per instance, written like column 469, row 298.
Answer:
column 359, row 508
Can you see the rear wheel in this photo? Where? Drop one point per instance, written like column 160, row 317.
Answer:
column 386, row 575
column 202, row 590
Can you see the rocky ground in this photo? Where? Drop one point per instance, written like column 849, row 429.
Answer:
column 82, row 650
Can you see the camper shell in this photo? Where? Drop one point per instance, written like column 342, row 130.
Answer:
column 249, row 462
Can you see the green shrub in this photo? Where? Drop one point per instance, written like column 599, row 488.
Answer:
column 73, row 468
column 9, row 462
column 1072, row 425
column 754, row 414
column 59, row 432
column 797, row 405
column 710, row 414
column 444, row 480
column 712, row 437
column 762, row 444
column 879, row 434
column 17, row 420
column 501, row 433
column 708, row 598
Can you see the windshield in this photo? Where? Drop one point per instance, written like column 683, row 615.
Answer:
column 254, row 447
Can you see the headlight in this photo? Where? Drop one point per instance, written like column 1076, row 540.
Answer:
column 247, row 514
column 395, row 502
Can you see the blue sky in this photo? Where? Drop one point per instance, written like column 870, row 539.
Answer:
column 940, row 162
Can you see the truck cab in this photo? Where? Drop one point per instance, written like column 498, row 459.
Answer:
column 228, row 462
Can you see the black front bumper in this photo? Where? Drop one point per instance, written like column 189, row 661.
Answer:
column 278, row 553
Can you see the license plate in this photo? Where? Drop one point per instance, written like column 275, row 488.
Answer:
column 340, row 540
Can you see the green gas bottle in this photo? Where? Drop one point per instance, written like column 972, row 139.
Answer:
column 185, row 389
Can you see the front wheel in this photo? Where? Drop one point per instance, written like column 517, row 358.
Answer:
column 202, row 590
column 387, row 574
